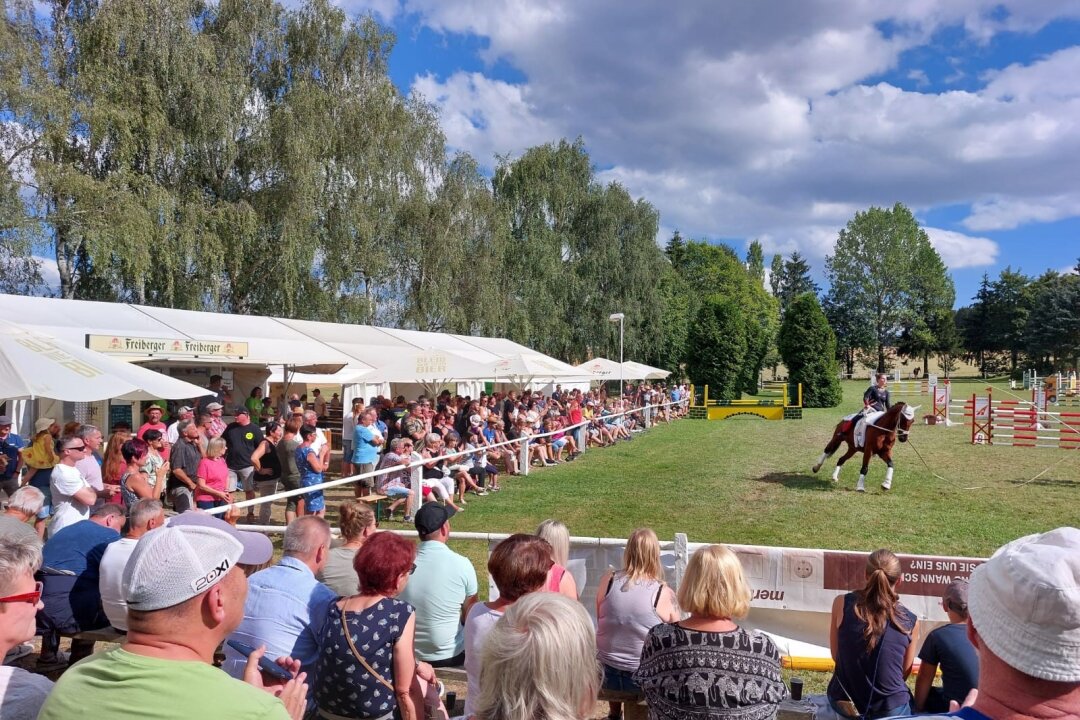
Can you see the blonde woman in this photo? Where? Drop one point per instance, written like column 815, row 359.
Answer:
column 539, row 661
column 559, row 580
column 357, row 523
column 629, row 602
column 707, row 665
column 212, row 477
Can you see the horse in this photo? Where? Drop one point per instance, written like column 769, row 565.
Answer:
column 880, row 437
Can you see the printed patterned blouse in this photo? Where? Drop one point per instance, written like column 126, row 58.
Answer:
column 694, row 675
column 344, row 687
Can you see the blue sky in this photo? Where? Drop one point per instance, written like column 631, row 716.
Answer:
column 778, row 119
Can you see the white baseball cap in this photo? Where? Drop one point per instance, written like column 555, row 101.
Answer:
column 1025, row 604
column 186, row 558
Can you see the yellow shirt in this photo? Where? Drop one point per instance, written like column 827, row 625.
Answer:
column 41, row 454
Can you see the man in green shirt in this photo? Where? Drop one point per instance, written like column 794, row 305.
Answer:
column 185, row 592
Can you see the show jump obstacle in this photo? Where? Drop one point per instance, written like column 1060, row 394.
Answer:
column 1020, row 423
column 775, row 401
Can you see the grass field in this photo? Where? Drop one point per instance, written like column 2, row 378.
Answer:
column 745, row 480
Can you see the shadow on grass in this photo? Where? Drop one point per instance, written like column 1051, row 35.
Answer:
column 798, row 481
column 1048, row 482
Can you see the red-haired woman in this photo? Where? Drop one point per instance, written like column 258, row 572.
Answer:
column 367, row 664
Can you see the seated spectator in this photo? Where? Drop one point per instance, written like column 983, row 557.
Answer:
column 286, row 606
column 518, row 565
column 397, row 485
column 22, row 508
column 21, row 693
column 539, row 661
column 366, row 666
column 948, row 647
column 871, row 641
column 1024, row 620
column 460, row 463
column 706, row 665
column 70, row 585
column 356, row 520
column 559, row 580
column 629, row 603
column 72, row 496
column 145, row 515
column 185, row 591
column 442, row 590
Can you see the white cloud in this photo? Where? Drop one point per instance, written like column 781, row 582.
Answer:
column 1003, row 213
column 50, row 273
column 958, row 250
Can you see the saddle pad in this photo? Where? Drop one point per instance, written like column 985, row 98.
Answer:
column 860, row 428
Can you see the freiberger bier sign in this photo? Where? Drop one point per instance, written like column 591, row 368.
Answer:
column 125, row 345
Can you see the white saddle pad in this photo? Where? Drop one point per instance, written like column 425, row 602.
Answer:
column 860, row 427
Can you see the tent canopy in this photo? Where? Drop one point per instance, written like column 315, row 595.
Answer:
column 36, row 365
column 640, row 371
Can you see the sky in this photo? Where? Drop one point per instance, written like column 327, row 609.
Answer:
column 778, row 120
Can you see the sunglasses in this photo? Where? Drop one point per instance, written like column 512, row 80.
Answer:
column 34, row 597
column 79, row 448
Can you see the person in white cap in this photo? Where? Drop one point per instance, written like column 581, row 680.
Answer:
column 1024, row 620
column 172, row 433
column 185, row 591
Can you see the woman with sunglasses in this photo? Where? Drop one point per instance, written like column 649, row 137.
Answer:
column 367, row 666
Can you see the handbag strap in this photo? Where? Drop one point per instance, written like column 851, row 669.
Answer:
column 356, row 653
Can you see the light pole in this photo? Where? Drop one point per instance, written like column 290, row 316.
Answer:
column 619, row 317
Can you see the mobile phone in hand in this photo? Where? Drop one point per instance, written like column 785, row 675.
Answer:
column 266, row 665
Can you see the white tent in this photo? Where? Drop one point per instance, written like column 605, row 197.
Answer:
column 36, row 365
column 523, row 369
column 599, row 369
column 431, row 368
column 640, row 371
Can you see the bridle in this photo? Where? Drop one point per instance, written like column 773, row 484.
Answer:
column 900, row 417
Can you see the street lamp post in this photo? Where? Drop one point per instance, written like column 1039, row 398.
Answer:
column 619, row 317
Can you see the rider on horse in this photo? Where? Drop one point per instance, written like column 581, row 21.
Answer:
column 876, row 397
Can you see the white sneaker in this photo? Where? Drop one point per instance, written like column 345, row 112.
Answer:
column 886, row 485
column 861, row 487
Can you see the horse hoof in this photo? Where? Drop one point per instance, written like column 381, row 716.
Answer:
column 886, row 485
column 860, row 488
column 815, row 468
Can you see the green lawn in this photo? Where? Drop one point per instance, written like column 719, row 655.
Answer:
column 745, row 480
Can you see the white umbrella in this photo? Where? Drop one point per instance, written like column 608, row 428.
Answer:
column 641, row 371
column 35, row 365
column 598, row 369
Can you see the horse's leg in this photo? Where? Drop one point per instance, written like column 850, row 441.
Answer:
column 886, row 455
column 831, row 448
column 843, row 459
column 867, row 454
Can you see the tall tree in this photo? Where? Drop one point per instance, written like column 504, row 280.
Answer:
column 719, row 343
column 776, row 274
column 808, row 347
column 1011, row 303
column 871, row 268
column 675, row 249
column 755, row 261
column 795, row 280
column 930, row 321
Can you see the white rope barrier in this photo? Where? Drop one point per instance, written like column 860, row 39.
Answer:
column 524, row 444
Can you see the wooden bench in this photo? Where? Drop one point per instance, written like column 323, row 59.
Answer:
column 377, row 501
column 634, row 707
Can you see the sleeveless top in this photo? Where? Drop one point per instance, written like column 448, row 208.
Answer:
column 626, row 614
column 344, row 687
column 555, row 576
column 874, row 680
column 270, row 461
column 127, row 496
column 285, row 451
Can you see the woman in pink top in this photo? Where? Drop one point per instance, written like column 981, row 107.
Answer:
column 212, row 477
column 559, row 580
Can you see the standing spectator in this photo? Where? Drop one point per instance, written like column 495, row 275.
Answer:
column 254, row 402
column 290, row 473
column 89, row 465
column 135, row 482
column 185, row 592
column 216, row 425
column 321, row 443
column 70, row 591
column 415, row 427
column 706, row 665
column 335, row 401
column 539, row 661
column 155, row 466
column 153, row 422
column 172, row 433
column 114, row 466
column 367, row 665
column 184, row 467
column 948, row 647
column 442, row 590
column 72, row 496
column 311, row 468
column 21, row 693
column 629, row 603
column 318, row 403
column 518, row 565
column 22, row 507
column 367, row 441
column 212, row 477
column 1024, row 620
column 144, row 516
column 286, row 606
column 348, row 430
column 871, row 638
column 267, row 467
column 10, row 458
column 559, row 580
column 217, row 398
column 356, row 520
column 40, row 458
column 241, row 438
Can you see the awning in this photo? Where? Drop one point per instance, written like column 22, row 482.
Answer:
column 640, row 371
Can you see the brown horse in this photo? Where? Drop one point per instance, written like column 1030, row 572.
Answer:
column 880, row 438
